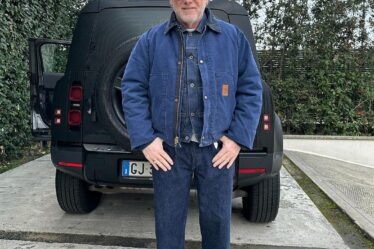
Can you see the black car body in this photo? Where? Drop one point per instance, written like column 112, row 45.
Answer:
column 80, row 111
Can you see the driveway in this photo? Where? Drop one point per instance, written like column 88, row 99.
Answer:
column 29, row 212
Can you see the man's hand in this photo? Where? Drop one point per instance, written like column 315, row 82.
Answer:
column 228, row 153
column 157, row 156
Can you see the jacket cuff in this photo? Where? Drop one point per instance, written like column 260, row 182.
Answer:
column 238, row 140
column 142, row 146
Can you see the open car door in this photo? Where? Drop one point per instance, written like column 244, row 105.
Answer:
column 47, row 62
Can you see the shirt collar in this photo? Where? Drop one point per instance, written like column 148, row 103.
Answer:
column 208, row 19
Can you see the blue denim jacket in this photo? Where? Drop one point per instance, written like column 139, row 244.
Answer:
column 232, row 88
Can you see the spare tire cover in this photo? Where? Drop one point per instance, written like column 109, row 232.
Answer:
column 108, row 93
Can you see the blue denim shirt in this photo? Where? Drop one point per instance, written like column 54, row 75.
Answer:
column 192, row 105
column 232, row 87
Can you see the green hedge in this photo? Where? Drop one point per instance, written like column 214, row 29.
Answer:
column 326, row 96
column 20, row 20
column 318, row 58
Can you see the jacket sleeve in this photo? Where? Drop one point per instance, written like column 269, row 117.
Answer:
column 248, row 97
column 135, row 101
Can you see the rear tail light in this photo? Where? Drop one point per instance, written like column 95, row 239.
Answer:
column 74, row 117
column 74, row 110
column 75, row 93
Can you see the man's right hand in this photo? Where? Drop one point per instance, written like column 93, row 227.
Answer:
column 157, row 156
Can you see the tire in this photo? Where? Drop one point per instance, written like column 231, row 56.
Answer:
column 108, row 105
column 73, row 194
column 262, row 202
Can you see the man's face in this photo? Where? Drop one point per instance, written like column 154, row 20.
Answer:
column 189, row 12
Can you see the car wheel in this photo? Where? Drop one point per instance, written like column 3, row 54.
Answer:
column 73, row 194
column 262, row 202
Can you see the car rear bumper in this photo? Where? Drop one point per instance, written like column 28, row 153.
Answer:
column 101, row 165
column 253, row 167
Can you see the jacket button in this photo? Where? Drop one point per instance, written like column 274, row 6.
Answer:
column 192, row 114
column 201, row 61
column 192, row 85
column 190, row 57
column 176, row 100
column 179, row 62
column 205, row 97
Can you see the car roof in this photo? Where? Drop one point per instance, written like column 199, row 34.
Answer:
column 228, row 6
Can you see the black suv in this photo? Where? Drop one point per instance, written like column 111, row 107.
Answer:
column 76, row 103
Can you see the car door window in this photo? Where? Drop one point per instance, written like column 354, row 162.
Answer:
column 54, row 57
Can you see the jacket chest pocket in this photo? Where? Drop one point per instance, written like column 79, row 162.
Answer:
column 225, row 99
column 157, row 94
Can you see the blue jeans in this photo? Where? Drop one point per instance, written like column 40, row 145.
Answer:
column 171, row 197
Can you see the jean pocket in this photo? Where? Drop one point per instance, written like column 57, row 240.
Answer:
column 168, row 149
column 217, row 145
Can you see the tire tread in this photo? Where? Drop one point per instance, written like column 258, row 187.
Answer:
column 262, row 202
column 73, row 194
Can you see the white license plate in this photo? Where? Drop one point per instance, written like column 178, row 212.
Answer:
column 136, row 168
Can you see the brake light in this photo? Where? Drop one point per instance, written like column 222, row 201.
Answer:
column 74, row 117
column 75, row 93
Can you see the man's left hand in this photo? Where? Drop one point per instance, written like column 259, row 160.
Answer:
column 227, row 155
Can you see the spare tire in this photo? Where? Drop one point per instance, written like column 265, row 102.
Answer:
column 108, row 93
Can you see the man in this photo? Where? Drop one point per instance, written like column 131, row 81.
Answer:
column 192, row 94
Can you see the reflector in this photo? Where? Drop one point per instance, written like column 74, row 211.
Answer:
column 78, row 165
column 251, row 171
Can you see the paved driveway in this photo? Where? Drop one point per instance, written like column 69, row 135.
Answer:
column 29, row 211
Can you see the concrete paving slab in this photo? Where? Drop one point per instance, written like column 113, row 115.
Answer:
column 16, row 244
column 29, row 211
column 350, row 186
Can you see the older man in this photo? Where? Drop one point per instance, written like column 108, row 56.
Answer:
column 192, row 95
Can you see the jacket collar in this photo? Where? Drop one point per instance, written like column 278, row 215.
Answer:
column 211, row 22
